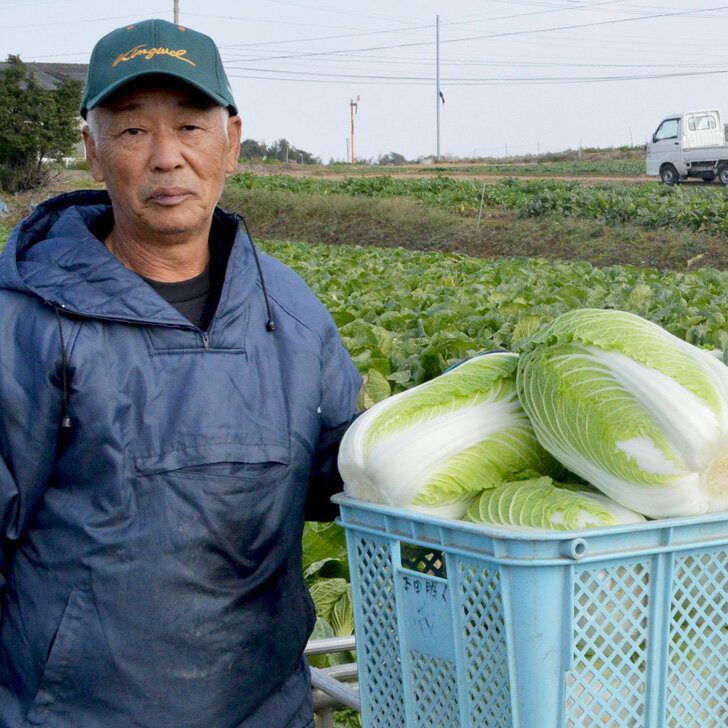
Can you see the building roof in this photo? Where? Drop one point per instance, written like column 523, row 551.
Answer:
column 49, row 75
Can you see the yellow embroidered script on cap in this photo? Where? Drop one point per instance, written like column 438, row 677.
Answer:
column 149, row 53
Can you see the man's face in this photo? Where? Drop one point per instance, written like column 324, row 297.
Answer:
column 163, row 154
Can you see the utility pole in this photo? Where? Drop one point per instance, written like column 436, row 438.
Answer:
column 176, row 12
column 354, row 109
column 437, row 90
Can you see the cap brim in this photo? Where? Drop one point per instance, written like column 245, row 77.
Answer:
column 113, row 88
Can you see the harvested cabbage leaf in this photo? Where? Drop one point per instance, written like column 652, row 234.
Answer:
column 433, row 447
column 632, row 409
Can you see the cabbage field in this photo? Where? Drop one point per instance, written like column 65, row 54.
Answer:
column 406, row 316
column 652, row 206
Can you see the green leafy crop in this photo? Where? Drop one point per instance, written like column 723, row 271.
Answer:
column 647, row 205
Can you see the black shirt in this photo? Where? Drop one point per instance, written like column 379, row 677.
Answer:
column 196, row 298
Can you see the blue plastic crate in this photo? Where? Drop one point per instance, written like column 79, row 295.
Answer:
column 466, row 626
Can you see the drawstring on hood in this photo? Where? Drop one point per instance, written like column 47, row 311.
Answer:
column 65, row 419
column 270, row 324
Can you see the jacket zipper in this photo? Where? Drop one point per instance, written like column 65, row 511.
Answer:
column 189, row 327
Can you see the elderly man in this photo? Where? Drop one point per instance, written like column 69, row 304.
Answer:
column 170, row 405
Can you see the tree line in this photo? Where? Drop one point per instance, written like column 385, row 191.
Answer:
column 281, row 150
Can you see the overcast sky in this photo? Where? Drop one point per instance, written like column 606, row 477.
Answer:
column 518, row 76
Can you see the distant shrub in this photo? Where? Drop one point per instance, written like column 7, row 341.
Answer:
column 37, row 126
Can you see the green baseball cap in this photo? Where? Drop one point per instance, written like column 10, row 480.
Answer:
column 156, row 47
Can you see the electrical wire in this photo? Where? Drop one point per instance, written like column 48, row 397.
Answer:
column 464, row 63
column 507, row 34
column 31, row 3
column 266, row 20
column 330, row 9
column 75, row 21
column 422, row 80
column 329, row 37
column 414, row 27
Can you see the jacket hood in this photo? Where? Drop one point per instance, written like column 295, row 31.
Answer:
column 54, row 255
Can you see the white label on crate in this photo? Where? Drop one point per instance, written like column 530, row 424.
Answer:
column 426, row 614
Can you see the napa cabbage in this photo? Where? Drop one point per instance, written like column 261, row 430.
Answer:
column 433, row 447
column 632, row 409
column 540, row 503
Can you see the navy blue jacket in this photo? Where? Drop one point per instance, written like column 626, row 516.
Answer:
column 150, row 557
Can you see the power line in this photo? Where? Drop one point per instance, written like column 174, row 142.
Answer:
column 328, row 37
column 487, row 81
column 330, row 9
column 506, row 34
column 30, row 3
column 313, row 80
column 68, row 22
column 266, row 20
column 387, row 60
column 414, row 27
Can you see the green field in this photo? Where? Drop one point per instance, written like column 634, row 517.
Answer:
column 703, row 208
column 406, row 316
column 646, row 225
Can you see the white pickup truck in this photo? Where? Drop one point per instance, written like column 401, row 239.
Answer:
column 691, row 144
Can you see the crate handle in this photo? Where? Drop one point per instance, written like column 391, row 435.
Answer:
column 423, row 559
column 575, row 549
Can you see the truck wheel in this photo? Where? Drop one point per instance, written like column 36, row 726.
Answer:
column 669, row 176
column 723, row 174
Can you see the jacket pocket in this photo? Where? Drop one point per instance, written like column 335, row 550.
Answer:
column 236, row 465
column 217, row 507
column 63, row 658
